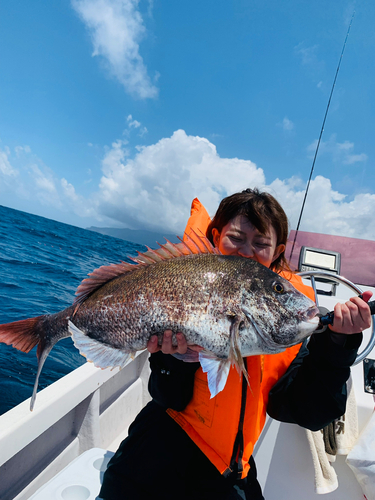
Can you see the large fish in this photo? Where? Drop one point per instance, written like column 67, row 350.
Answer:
column 231, row 306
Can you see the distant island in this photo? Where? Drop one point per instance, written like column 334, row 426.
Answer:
column 141, row 237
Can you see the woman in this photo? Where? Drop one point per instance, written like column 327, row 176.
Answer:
column 185, row 445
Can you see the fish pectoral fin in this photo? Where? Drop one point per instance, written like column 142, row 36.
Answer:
column 217, row 371
column 103, row 356
column 235, row 356
column 190, row 356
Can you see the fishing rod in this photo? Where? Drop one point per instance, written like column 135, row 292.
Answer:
column 320, row 137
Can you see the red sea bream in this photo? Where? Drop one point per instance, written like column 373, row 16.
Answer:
column 231, row 306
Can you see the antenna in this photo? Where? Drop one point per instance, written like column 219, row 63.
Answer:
column 320, row 137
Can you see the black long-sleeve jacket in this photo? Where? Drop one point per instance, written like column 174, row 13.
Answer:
column 312, row 393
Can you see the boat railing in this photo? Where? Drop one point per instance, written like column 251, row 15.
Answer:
column 87, row 408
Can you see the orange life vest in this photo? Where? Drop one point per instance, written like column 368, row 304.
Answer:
column 213, row 424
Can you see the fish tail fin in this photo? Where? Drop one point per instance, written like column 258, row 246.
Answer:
column 24, row 335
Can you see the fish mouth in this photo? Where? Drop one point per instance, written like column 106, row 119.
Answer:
column 309, row 315
column 306, row 328
column 309, row 322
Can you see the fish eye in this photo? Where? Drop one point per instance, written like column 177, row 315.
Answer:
column 278, row 287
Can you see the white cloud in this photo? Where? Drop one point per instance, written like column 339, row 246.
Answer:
column 20, row 149
column 307, row 54
column 150, row 7
column 311, row 64
column 154, row 187
column 339, row 151
column 116, row 29
column 287, row 124
column 6, row 170
column 355, row 158
column 77, row 203
column 132, row 123
column 69, row 190
column 41, row 186
column 326, row 211
column 44, row 182
column 37, row 186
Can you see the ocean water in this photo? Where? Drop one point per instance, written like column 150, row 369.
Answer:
column 42, row 262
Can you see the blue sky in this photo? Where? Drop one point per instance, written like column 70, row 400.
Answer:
column 119, row 112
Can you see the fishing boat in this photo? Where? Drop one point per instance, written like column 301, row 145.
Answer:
column 60, row 450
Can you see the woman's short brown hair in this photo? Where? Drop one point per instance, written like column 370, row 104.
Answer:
column 262, row 210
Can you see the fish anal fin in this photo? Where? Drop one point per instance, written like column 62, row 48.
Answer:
column 103, row 356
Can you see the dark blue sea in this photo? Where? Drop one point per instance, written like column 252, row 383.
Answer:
column 42, row 262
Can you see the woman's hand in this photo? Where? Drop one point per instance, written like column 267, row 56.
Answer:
column 167, row 347
column 352, row 317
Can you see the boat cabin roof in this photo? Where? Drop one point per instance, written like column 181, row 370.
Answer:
column 357, row 255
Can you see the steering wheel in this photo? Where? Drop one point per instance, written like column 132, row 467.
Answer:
column 340, row 279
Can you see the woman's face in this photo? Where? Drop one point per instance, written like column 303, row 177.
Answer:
column 240, row 237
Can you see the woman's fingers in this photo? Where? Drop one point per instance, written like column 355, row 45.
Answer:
column 352, row 317
column 167, row 346
column 181, row 343
column 367, row 295
column 152, row 344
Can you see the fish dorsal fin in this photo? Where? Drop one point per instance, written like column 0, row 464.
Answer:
column 193, row 245
column 98, row 278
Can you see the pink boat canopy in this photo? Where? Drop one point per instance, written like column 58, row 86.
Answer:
column 357, row 256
